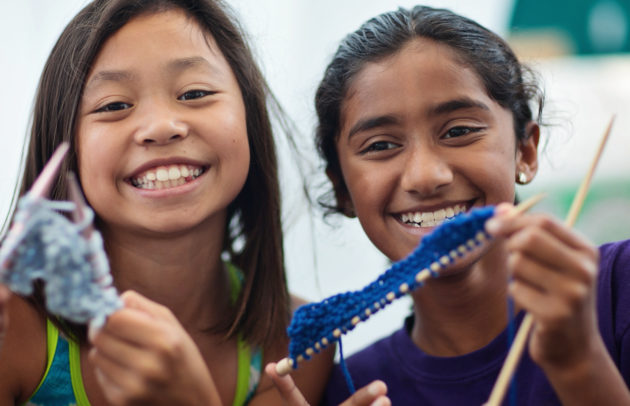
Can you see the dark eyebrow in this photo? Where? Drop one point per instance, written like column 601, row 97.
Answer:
column 190, row 62
column 458, row 104
column 176, row 65
column 372, row 122
column 110, row 76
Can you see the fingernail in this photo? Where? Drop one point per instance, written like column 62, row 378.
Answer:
column 374, row 388
column 492, row 225
column 92, row 331
column 379, row 402
column 504, row 208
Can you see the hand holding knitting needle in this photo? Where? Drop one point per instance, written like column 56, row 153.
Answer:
column 373, row 394
column 42, row 244
column 554, row 276
column 40, row 189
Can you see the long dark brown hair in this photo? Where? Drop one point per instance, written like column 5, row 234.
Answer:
column 253, row 231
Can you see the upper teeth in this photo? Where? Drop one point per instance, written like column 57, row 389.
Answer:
column 432, row 218
column 166, row 176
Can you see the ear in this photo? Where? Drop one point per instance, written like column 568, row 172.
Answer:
column 344, row 202
column 527, row 154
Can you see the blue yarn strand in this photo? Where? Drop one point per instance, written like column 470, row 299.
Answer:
column 344, row 370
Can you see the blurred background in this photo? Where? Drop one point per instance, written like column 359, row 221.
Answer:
column 580, row 48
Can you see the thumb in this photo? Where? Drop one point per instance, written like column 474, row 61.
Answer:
column 285, row 385
column 369, row 395
column 134, row 300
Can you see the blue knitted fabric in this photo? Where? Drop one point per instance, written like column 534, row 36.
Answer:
column 316, row 325
column 44, row 245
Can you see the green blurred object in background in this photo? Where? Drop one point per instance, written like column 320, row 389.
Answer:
column 582, row 27
column 605, row 215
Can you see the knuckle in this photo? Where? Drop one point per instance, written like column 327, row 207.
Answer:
column 116, row 398
column 153, row 375
column 171, row 346
column 136, row 391
column 530, row 236
column 515, row 262
column 542, row 221
column 576, row 297
column 588, row 271
column 527, row 237
column 592, row 251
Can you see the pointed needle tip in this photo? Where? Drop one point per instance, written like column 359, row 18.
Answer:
column 43, row 183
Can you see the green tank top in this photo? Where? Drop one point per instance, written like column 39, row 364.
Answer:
column 62, row 383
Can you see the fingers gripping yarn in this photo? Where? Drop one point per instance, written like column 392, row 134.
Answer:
column 45, row 245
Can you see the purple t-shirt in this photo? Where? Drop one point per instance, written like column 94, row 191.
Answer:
column 416, row 378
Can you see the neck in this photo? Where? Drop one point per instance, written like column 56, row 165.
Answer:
column 462, row 312
column 182, row 271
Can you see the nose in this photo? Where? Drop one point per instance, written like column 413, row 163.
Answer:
column 160, row 126
column 425, row 171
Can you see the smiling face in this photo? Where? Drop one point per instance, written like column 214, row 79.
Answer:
column 420, row 140
column 162, row 139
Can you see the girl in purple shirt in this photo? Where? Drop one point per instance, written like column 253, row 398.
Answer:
column 424, row 114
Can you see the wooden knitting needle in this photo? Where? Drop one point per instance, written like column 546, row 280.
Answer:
column 285, row 366
column 44, row 181
column 513, row 357
column 78, row 214
column 40, row 189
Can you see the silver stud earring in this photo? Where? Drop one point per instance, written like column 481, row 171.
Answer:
column 522, row 178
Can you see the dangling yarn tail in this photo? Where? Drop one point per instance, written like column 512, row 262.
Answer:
column 344, row 370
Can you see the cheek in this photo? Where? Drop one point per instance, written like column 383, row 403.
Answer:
column 86, row 158
column 234, row 158
column 96, row 155
column 370, row 189
column 240, row 158
column 495, row 174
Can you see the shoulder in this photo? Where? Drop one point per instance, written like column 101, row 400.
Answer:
column 613, row 300
column 614, row 270
column 23, row 351
column 615, row 255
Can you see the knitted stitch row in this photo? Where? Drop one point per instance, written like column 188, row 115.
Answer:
column 314, row 326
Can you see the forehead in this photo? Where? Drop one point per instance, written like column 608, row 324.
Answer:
column 423, row 70
column 170, row 34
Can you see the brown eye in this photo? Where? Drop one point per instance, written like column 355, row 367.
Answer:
column 116, row 106
column 380, row 146
column 460, row 131
column 194, row 94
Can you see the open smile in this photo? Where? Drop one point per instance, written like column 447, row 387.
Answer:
column 432, row 218
column 166, row 176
